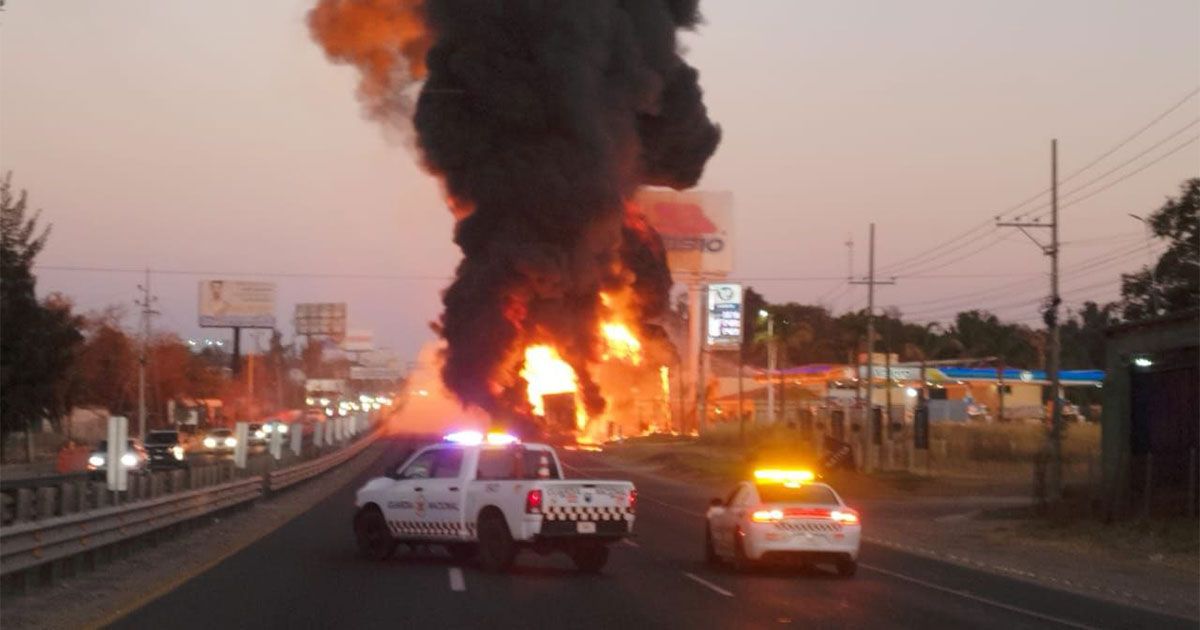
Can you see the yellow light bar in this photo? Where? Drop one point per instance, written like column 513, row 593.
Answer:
column 783, row 476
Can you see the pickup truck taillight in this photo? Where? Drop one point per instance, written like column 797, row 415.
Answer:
column 633, row 499
column 533, row 502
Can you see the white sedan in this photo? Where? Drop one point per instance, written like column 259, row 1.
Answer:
column 783, row 516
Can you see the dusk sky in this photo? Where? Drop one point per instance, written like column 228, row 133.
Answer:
column 208, row 139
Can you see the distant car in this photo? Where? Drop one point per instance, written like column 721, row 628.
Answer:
column 783, row 516
column 165, row 449
column 134, row 459
column 256, row 435
column 218, row 441
column 279, row 426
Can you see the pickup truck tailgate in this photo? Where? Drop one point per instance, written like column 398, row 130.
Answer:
column 587, row 500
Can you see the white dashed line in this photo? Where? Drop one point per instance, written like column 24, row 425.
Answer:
column 628, row 543
column 982, row 600
column 457, row 583
column 703, row 582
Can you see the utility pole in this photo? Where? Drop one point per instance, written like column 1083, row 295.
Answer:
column 772, row 360
column 1054, row 474
column 145, row 303
column 870, row 281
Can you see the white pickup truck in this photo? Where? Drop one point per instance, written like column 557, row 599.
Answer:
column 492, row 496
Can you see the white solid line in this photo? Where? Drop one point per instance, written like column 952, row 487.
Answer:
column 457, row 583
column 628, row 543
column 982, row 600
column 703, row 582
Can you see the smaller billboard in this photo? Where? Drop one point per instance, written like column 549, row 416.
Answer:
column 724, row 315
column 324, row 318
column 237, row 304
column 325, row 386
column 364, row 373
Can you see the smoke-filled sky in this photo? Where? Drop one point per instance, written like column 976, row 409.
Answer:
column 215, row 137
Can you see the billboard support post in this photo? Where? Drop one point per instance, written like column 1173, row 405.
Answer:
column 235, row 361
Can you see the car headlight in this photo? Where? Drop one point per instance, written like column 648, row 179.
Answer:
column 230, row 442
column 96, row 460
column 283, row 428
column 210, row 442
column 129, row 460
column 177, row 451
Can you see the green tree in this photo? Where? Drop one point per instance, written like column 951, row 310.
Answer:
column 37, row 341
column 1173, row 284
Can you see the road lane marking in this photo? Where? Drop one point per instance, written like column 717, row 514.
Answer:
column 628, row 543
column 703, row 582
column 457, row 583
column 982, row 600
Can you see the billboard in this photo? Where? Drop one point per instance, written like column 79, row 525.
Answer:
column 237, row 304
column 724, row 315
column 327, row 318
column 358, row 341
column 696, row 228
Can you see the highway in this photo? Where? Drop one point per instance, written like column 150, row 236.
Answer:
column 306, row 574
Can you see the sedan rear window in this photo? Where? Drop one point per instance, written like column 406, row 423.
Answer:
column 779, row 493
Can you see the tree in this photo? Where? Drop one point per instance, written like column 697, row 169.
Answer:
column 106, row 366
column 1173, row 284
column 37, row 341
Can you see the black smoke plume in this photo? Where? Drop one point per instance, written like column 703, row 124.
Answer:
column 542, row 118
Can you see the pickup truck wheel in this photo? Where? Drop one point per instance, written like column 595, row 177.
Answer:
column 496, row 547
column 590, row 558
column 371, row 533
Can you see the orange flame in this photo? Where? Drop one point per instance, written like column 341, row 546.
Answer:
column 620, row 343
column 546, row 373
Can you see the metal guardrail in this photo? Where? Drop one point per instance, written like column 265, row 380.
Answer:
column 44, row 480
column 37, row 542
column 29, row 544
column 279, row 479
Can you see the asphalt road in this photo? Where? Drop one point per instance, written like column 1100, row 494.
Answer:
column 306, row 575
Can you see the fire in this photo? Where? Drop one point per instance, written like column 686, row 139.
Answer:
column 620, row 343
column 546, row 373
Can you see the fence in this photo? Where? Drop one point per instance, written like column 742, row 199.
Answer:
column 44, row 525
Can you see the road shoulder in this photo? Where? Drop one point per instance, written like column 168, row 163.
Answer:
column 96, row 598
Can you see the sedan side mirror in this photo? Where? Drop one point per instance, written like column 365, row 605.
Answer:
column 716, row 503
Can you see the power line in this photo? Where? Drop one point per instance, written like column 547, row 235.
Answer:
column 1118, row 167
column 974, row 233
column 1025, row 299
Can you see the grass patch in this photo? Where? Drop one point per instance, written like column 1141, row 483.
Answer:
column 1012, row 442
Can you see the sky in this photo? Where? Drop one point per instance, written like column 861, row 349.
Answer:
column 213, row 139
